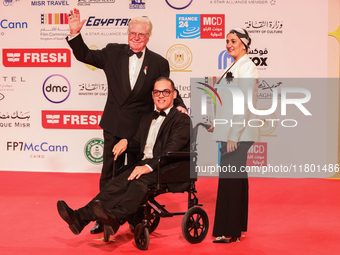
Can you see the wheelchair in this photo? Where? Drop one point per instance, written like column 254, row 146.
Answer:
column 195, row 223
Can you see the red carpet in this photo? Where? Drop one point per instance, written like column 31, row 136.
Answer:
column 286, row 216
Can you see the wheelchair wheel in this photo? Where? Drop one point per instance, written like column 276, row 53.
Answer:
column 195, row 225
column 142, row 237
column 138, row 218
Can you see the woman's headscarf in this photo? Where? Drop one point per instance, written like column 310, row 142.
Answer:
column 243, row 35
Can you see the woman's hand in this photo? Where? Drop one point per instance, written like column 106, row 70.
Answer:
column 211, row 128
column 231, row 146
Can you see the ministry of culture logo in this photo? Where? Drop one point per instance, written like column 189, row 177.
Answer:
column 94, row 150
column 179, row 57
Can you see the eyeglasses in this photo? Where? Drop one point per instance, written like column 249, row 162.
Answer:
column 165, row 92
column 140, row 35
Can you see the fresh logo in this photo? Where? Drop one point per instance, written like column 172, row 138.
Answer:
column 71, row 119
column 36, row 57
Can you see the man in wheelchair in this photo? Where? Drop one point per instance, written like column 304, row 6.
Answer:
column 159, row 132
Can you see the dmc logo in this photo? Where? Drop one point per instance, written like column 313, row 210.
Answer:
column 224, row 60
column 238, row 103
column 36, row 57
column 178, row 4
column 56, row 88
column 71, row 119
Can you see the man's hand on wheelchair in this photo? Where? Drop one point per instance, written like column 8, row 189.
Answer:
column 119, row 148
column 138, row 172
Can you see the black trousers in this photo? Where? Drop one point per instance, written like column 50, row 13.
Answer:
column 231, row 214
column 109, row 169
column 120, row 196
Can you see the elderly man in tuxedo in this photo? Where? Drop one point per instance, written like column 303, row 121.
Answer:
column 131, row 71
column 166, row 129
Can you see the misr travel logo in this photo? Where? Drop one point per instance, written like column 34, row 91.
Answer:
column 49, row 3
column 179, row 57
column 56, row 88
column 204, row 26
column 71, row 119
column 94, row 150
column 179, row 4
column 36, row 57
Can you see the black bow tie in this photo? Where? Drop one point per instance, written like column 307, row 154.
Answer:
column 156, row 114
column 138, row 54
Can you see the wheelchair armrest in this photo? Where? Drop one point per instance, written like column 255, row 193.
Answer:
column 181, row 155
column 178, row 154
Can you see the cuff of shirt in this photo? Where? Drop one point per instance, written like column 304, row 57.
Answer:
column 71, row 36
column 149, row 167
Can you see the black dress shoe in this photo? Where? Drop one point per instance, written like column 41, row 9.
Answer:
column 221, row 239
column 72, row 219
column 109, row 220
column 97, row 228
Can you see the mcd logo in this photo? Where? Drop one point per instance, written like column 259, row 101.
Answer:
column 36, row 57
column 71, row 119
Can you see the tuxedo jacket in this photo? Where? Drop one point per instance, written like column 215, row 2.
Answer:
column 124, row 107
column 245, row 76
column 173, row 136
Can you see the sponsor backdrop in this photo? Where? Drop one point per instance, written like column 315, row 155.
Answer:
column 51, row 104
